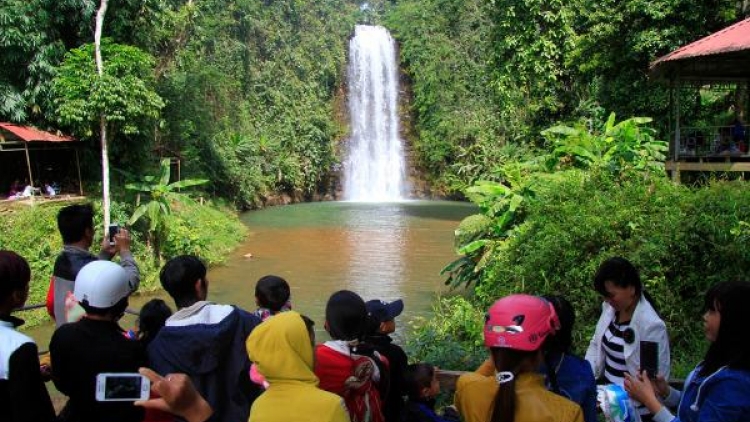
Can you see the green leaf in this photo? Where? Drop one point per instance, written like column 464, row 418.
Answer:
column 472, row 247
column 165, row 172
column 187, row 183
column 137, row 214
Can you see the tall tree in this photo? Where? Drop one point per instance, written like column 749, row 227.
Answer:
column 120, row 100
column 102, row 116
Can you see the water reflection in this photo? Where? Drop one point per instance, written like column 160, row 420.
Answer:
column 376, row 245
column 385, row 251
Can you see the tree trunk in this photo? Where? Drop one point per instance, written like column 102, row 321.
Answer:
column 102, row 118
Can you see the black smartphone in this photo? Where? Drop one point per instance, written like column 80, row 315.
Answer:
column 113, row 230
column 650, row 358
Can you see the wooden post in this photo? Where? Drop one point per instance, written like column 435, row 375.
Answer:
column 677, row 124
column 670, row 114
column 80, row 180
column 28, row 164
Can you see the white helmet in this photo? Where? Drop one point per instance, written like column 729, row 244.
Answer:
column 101, row 284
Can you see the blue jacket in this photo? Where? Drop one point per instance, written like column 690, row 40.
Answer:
column 723, row 396
column 213, row 354
column 424, row 411
column 575, row 380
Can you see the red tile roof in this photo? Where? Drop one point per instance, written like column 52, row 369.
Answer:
column 731, row 39
column 29, row 134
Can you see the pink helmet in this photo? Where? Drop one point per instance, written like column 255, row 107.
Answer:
column 520, row 322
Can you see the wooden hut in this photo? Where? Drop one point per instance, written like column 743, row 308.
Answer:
column 721, row 59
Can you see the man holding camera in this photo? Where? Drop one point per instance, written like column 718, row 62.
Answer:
column 76, row 225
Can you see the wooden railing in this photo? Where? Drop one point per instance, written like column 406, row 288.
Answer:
column 42, row 305
column 711, row 141
column 448, row 378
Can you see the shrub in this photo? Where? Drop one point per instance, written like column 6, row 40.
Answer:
column 205, row 231
column 682, row 240
column 452, row 339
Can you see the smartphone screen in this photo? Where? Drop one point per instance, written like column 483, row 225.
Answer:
column 650, row 358
column 122, row 387
column 113, row 229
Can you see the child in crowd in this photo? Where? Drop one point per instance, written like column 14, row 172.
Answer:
column 567, row 374
column 282, row 348
column 422, row 386
column 347, row 366
column 516, row 327
column 23, row 396
column 272, row 295
column 382, row 322
column 205, row 340
column 151, row 319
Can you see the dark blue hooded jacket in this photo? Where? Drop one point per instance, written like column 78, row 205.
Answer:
column 213, row 355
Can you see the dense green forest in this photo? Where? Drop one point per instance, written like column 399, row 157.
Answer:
column 244, row 91
column 250, row 93
column 488, row 76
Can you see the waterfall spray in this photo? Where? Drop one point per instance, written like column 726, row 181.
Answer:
column 375, row 167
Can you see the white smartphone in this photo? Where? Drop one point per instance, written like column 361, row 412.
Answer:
column 122, row 387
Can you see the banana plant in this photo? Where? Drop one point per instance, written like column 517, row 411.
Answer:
column 479, row 235
column 629, row 144
column 161, row 195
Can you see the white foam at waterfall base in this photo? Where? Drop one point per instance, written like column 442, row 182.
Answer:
column 374, row 170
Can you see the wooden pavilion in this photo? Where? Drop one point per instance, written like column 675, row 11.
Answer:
column 18, row 138
column 721, row 59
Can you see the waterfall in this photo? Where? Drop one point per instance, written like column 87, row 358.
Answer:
column 374, row 168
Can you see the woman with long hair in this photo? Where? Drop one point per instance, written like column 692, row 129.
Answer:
column 718, row 389
column 627, row 320
column 515, row 331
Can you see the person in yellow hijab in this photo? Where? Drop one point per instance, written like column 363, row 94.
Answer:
column 282, row 350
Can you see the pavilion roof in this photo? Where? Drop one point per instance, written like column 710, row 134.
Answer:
column 14, row 132
column 721, row 56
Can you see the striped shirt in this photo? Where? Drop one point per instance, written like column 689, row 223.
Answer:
column 615, row 367
column 613, row 343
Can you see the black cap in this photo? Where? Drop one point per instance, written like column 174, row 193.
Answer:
column 384, row 311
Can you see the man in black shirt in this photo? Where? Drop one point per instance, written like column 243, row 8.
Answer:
column 96, row 344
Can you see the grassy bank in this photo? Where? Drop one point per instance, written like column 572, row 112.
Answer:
column 210, row 231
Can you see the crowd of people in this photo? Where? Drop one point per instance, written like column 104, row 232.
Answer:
column 20, row 190
column 215, row 362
